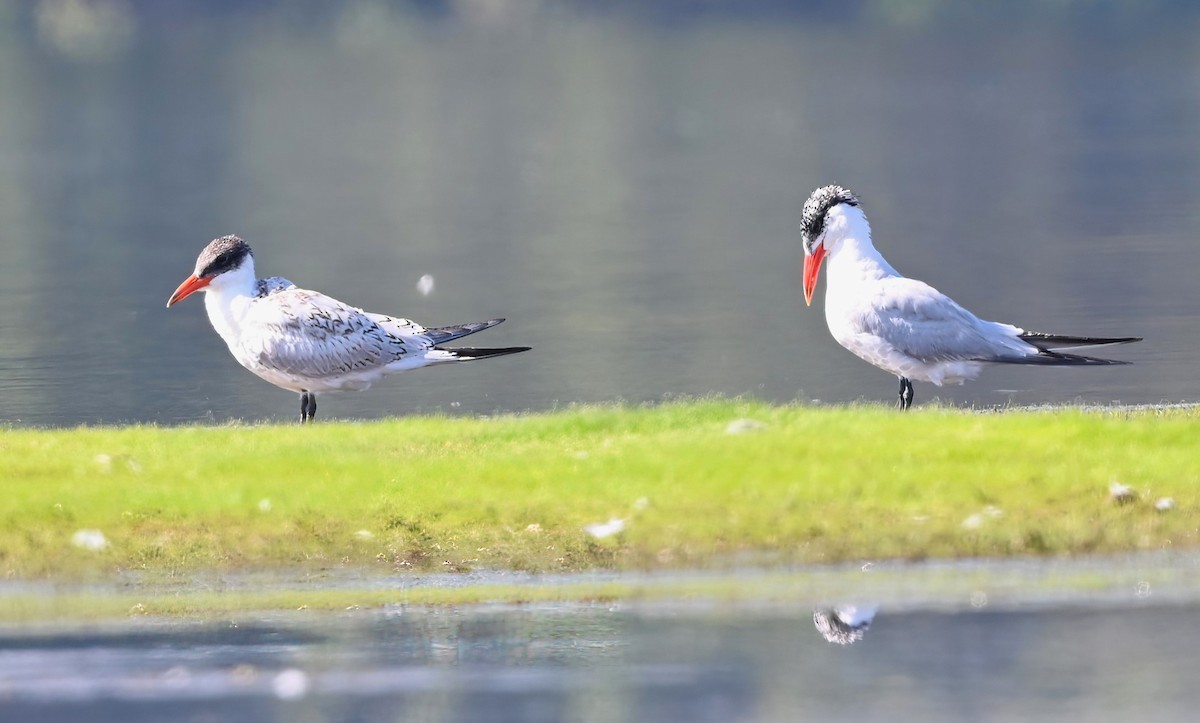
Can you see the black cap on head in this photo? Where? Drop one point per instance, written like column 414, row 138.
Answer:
column 221, row 255
column 817, row 205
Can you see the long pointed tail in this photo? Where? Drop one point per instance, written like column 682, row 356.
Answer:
column 1059, row 341
column 467, row 353
column 1047, row 357
column 1048, row 346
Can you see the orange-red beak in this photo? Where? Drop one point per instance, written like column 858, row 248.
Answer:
column 190, row 285
column 812, row 271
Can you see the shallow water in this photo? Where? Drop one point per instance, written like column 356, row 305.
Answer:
column 600, row 665
column 1094, row 639
column 623, row 183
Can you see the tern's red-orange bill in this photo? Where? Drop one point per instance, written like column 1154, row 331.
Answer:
column 190, row 285
column 812, row 270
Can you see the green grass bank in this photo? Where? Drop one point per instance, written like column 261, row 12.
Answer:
column 803, row 484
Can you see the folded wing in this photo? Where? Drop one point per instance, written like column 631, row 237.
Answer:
column 305, row 333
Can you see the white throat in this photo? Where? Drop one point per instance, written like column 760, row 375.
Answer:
column 852, row 258
column 228, row 297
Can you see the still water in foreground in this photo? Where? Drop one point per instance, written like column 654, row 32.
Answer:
column 1035, row 650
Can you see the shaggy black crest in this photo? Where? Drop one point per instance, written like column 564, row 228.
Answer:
column 223, row 254
column 817, row 205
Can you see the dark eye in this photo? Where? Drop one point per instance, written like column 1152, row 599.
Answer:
column 217, row 265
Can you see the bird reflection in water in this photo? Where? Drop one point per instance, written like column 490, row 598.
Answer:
column 844, row 624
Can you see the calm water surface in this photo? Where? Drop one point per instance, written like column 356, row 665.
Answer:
column 973, row 648
column 624, row 184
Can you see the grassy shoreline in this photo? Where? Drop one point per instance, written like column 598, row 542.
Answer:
column 808, row 485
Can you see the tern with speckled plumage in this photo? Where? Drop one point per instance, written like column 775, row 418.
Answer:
column 905, row 326
column 307, row 342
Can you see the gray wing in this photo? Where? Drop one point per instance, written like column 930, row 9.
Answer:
column 396, row 325
column 308, row 334
column 918, row 320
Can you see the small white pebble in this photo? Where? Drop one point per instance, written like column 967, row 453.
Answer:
column 425, row 285
column 972, row 522
column 104, row 462
column 1164, row 503
column 264, row 505
column 93, row 540
column 1142, row 590
column 290, row 684
column 741, row 426
column 1121, row 494
column 533, row 529
column 978, row 599
column 364, row 535
column 600, row 530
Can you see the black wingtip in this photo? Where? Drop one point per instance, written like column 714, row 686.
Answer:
column 443, row 334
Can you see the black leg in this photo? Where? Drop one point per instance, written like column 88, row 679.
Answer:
column 312, row 407
column 304, row 407
column 906, row 394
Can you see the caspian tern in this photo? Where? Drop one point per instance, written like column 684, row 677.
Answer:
column 905, row 326
column 306, row 341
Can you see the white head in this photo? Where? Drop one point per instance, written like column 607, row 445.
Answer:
column 829, row 214
column 225, row 261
